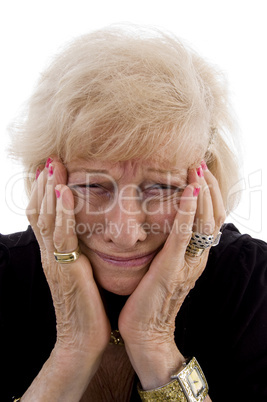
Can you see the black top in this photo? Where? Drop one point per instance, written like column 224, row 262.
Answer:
column 223, row 321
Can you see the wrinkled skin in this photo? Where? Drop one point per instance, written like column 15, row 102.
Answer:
column 157, row 288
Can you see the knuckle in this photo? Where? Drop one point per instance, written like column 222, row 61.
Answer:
column 31, row 213
column 209, row 227
column 58, row 238
column 220, row 219
column 44, row 228
column 185, row 236
column 206, row 190
column 205, row 226
column 59, row 243
column 213, row 181
column 65, row 238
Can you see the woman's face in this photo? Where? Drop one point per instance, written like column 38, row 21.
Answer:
column 124, row 213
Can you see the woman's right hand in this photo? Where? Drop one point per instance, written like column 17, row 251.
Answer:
column 83, row 329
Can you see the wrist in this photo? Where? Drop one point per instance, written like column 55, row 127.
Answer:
column 63, row 377
column 81, row 346
column 188, row 384
column 155, row 364
column 70, row 359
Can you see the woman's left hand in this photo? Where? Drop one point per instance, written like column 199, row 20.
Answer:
column 147, row 321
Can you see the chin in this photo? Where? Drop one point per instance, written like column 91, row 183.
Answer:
column 121, row 287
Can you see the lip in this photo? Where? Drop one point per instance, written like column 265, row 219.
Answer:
column 131, row 261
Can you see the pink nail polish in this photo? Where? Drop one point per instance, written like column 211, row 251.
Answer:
column 200, row 172
column 49, row 160
column 196, row 191
column 50, row 171
column 204, row 166
column 57, row 193
column 37, row 174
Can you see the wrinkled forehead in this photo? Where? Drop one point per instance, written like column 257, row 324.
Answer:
column 156, row 165
column 167, row 148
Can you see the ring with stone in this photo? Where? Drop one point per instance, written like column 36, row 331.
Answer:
column 199, row 242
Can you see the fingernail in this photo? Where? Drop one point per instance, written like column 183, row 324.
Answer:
column 57, row 193
column 196, row 191
column 49, row 160
column 37, row 174
column 204, row 166
column 200, row 172
column 50, row 171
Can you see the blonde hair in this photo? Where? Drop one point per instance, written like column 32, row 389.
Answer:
column 128, row 92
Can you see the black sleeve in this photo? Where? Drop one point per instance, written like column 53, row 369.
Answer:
column 223, row 322
column 27, row 320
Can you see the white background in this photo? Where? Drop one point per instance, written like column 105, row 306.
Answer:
column 230, row 33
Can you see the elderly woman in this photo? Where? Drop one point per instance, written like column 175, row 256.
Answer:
column 115, row 292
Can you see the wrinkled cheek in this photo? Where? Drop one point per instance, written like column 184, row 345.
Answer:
column 160, row 216
column 159, row 224
column 89, row 223
column 88, row 207
column 157, row 220
column 161, row 207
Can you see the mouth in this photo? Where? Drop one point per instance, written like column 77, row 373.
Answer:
column 130, row 261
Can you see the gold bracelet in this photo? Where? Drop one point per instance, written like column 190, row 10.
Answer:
column 189, row 384
column 169, row 392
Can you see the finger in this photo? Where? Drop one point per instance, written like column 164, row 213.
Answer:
column 183, row 223
column 217, row 201
column 79, row 310
column 65, row 239
column 204, row 220
column 175, row 271
column 36, row 199
column 38, row 191
column 55, row 173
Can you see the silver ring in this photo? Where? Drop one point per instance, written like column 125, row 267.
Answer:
column 199, row 242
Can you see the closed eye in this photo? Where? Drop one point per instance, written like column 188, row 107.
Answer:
column 93, row 189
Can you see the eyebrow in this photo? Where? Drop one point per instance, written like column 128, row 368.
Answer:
column 163, row 171
column 86, row 170
column 154, row 170
column 176, row 172
column 182, row 174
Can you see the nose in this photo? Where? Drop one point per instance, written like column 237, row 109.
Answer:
column 124, row 222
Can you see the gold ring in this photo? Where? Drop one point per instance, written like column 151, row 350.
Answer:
column 66, row 258
column 194, row 251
